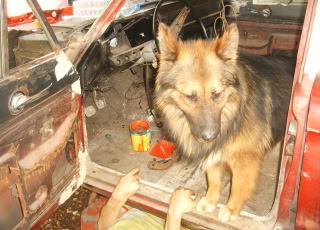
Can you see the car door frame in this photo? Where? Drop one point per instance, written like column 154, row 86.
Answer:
column 68, row 91
column 75, row 52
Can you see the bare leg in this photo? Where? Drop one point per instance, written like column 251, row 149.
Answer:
column 209, row 202
column 244, row 175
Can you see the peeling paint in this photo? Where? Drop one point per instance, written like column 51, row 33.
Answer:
column 67, row 192
column 63, row 67
column 83, row 158
column 299, row 105
column 77, row 181
column 306, row 175
column 76, row 88
column 43, row 190
column 6, row 157
column 48, row 146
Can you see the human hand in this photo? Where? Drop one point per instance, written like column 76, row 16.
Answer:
column 127, row 186
column 182, row 202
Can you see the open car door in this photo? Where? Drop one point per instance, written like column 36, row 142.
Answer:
column 42, row 139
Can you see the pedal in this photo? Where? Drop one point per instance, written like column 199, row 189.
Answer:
column 89, row 111
column 100, row 102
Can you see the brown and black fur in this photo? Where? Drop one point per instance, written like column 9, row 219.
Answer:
column 225, row 110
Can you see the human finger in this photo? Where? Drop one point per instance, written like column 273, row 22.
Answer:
column 136, row 176
column 133, row 172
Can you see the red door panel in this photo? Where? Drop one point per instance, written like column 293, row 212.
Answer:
column 308, row 212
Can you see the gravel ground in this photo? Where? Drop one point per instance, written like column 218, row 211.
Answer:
column 68, row 216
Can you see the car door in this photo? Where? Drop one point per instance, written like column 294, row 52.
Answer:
column 42, row 139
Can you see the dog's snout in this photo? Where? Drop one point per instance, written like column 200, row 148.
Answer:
column 209, row 126
column 209, row 135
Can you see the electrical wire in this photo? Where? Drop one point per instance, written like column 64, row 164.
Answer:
column 222, row 17
column 135, row 85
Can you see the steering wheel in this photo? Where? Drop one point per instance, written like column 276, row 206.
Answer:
column 177, row 24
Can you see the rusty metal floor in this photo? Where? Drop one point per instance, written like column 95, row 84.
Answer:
column 110, row 146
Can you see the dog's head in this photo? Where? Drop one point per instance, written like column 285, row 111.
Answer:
column 198, row 77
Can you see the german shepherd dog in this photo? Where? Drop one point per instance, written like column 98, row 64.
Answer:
column 225, row 110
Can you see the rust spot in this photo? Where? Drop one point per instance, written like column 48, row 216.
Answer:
column 23, row 89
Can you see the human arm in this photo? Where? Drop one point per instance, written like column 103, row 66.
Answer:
column 126, row 187
column 180, row 203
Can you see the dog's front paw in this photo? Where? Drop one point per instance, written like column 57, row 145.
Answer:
column 205, row 206
column 225, row 214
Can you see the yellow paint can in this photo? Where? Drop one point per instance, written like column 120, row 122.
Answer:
column 140, row 135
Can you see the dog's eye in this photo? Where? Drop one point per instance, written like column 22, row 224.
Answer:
column 192, row 97
column 215, row 95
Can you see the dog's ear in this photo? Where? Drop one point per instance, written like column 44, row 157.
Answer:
column 227, row 46
column 168, row 45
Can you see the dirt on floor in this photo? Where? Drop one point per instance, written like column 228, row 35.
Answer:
column 110, row 146
column 68, row 216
